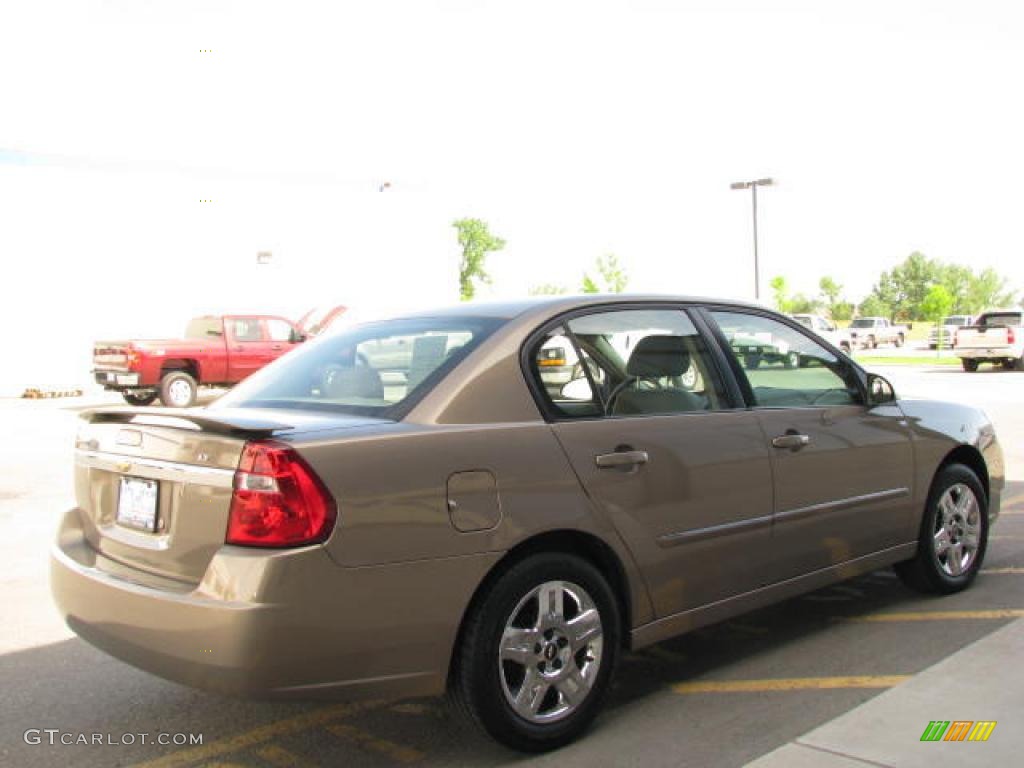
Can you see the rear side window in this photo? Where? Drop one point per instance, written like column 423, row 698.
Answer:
column 783, row 367
column 246, row 329
column 373, row 369
column 626, row 363
column 1000, row 318
column 204, row 328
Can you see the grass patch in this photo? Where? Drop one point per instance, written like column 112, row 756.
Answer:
column 907, row 360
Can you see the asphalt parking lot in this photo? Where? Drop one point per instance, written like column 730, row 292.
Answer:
column 720, row 696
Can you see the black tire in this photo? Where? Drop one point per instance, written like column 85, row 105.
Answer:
column 476, row 683
column 899, row 340
column 969, row 364
column 173, row 384
column 924, row 572
column 872, row 342
column 791, row 360
column 845, row 348
column 750, row 362
column 139, row 398
column 1009, row 365
column 1019, row 363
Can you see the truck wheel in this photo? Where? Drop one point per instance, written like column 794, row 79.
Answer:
column 538, row 651
column 791, row 360
column 1019, row 363
column 750, row 362
column 178, row 390
column 872, row 342
column 139, row 396
column 899, row 340
column 953, row 536
column 845, row 348
column 969, row 365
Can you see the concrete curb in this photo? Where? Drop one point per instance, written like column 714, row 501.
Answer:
column 984, row 681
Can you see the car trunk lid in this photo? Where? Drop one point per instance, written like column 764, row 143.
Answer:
column 154, row 489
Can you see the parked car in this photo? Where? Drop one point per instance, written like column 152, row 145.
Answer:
column 217, row 350
column 869, row 332
column 837, row 337
column 941, row 335
column 321, row 529
column 997, row 337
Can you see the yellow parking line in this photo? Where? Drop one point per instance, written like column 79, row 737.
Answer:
column 997, row 613
column 280, row 757
column 791, row 684
column 397, row 752
column 258, row 735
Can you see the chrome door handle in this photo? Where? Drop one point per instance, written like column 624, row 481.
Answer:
column 794, row 441
column 621, row 459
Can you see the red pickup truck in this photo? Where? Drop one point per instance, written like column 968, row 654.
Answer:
column 218, row 350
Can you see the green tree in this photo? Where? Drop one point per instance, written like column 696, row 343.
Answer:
column 547, row 289
column 476, row 241
column 842, row 310
column 802, row 304
column 830, row 289
column 987, row 290
column 873, row 306
column 613, row 278
column 780, row 289
column 937, row 303
column 957, row 280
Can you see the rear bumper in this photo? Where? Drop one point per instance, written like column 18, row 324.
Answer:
column 985, row 353
column 118, row 379
column 275, row 623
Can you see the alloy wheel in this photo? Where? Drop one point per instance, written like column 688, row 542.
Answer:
column 550, row 652
column 957, row 534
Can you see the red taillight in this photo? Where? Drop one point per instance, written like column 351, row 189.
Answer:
column 278, row 500
column 1010, row 338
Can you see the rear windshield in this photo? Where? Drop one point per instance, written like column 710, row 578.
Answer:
column 203, row 328
column 863, row 322
column 375, row 369
column 956, row 320
column 999, row 318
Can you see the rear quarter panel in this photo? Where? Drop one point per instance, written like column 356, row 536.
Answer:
column 391, row 491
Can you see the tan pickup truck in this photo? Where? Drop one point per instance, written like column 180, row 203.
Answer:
column 997, row 337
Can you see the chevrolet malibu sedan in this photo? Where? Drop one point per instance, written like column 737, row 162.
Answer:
column 406, row 508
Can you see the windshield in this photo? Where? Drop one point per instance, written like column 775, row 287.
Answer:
column 373, row 369
column 863, row 322
column 955, row 320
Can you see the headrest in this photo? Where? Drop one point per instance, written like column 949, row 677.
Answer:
column 657, row 356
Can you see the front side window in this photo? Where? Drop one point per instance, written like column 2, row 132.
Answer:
column 278, row 329
column 627, row 363
column 784, row 367
column 370, row 369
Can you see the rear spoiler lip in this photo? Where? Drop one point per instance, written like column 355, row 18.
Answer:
column 188, row 419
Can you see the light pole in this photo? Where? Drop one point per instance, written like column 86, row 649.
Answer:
column 752, row 186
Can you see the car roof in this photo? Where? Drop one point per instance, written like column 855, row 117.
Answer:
column 553, row 305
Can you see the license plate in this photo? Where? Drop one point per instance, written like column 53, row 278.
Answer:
column 136, row 503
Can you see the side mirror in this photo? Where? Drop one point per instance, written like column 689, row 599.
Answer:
column 296, row 337
column 880, row 391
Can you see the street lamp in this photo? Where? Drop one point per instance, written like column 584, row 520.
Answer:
column 752, row 186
